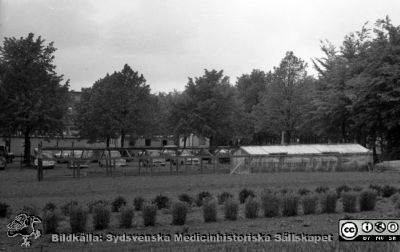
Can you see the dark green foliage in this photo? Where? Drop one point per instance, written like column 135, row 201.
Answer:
column 117, row 104
column 357, row 188
column 149, row 214
column 179, row 212
column 328, row 202
column 50, row 221
column 244, row 194
column 118, row 203
column 290, row 204
column 367, row 200
column 321, row 189
column 251, row 208
column 161, row 201
column 210, row 211
column 184, row 197
column 270, row 204
column 138, row 203
column 224, row 197
column 30, row 209
column 201, row 197
column 32, row 98
column 349, row 201
column 3, row 209
column 377, row 188
column 126, row 217
column 66, row 209
column 77, row 219
column 231, row 209
column 309, row 204
column 303, row 191
column 342, row 188
column 388, row 191
column 93, row 204
column 101, row 217
column 50, row 206
column 285, row 190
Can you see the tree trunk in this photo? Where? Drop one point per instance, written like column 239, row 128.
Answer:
column 27, row 148
column 122, row 138
column 184, row 141
column 288, row 136
column 108, row 142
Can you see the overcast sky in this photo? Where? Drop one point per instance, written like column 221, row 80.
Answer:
column 170, row 40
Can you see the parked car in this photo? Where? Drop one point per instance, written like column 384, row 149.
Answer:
column 156, row 157
column 169, row 154
column 115, row 155
column 48, row 161
column 62, row 156
column 205, row 155
column 189, row 160
column 80, row 157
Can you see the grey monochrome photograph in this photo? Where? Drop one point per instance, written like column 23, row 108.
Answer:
column 199, row 125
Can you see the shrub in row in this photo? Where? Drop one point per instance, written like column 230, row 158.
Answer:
column 244, row 194
column 4, row 209
column 270, row 203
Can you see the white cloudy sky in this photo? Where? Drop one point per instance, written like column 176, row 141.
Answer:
column 170, row 40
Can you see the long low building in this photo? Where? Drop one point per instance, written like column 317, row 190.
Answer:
column 301, row 157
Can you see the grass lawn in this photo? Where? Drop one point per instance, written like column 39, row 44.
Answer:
column 20, row 187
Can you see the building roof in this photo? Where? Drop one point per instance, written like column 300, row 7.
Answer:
column 304, row 149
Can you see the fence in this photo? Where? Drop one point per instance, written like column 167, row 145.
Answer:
column 141, row 162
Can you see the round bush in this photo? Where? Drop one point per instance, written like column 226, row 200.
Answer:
column 161, row 201
column 270, row 203
column 93, row 204
column 251, row 208
column 138, row 203
column 388, row 191
column 184, row 197
column 342, row 188
column 303, row 191
column 179, row 212
column 244, row 194
column 231, row 209
column 224, row 197
column 77, row 219
column 101, row 217
column 309, row 204
column 3, row 209
column 50, row 221
column 66, row 209
column 290, row 204
column 210, row 211
column 126, row 217
column 50, row 206
column 149, row 214
column 201, row 197
column 118, row 203
column 349, row 201
column 321, row 189
column 367, row 200
column 328, row 202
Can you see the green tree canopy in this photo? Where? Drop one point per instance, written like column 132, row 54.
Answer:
column 32, row 96
column 118, row 103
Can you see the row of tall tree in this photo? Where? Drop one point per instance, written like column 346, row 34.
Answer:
column 354, row 98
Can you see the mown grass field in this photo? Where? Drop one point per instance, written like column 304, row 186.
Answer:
column 20, row 187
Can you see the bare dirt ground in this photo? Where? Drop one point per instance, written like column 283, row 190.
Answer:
column 20, row 187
